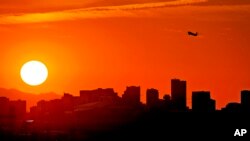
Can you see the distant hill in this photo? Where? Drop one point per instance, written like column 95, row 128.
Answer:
column 30, row 98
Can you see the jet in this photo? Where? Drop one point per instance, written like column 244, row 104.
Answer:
column 192, row 33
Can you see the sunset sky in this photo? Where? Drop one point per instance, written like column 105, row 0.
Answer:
column 88, row 44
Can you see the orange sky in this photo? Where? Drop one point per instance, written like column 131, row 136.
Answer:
column 94, row 44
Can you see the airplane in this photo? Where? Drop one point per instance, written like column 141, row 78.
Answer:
column 192, row 33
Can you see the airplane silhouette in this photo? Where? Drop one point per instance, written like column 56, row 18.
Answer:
column 192, row 33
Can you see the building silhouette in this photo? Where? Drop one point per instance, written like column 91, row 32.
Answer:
column 152, row 97
column 178, row 94
column 4, row 108
column 132, row 95
column 245, row 100
column 232, row 107
column 88, row 96
column 15, row 108
column 12, row 114
column 18, row 108
column 102, row 111
column 69, row 102
column 167, row 105
column 201, row 102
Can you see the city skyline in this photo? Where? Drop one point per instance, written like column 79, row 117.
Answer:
column 101, row 112
column 88, row 70
column 201, row 100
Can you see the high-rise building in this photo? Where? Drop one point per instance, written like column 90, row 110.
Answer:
column 245, row 100
column 132, row 95
column 152, row 97
column 201, row 102
column 178, row 94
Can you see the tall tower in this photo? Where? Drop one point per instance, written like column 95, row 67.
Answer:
column 178, row 94
column 245, row 100
column 152, row 97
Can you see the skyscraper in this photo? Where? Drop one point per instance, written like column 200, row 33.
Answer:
column 178, row 94
column 245, row 100
column 152, row 97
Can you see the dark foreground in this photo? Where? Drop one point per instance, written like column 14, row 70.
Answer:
column 153, row 126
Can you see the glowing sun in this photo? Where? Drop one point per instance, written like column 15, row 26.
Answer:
column 34, row 73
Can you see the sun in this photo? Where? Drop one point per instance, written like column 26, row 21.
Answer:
column 34, row 73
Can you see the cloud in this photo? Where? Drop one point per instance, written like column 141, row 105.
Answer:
column 95, row 12
column 131, row 10
column 226, row 2
column 29, row 6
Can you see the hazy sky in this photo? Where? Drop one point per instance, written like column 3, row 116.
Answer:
column 111, row 43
